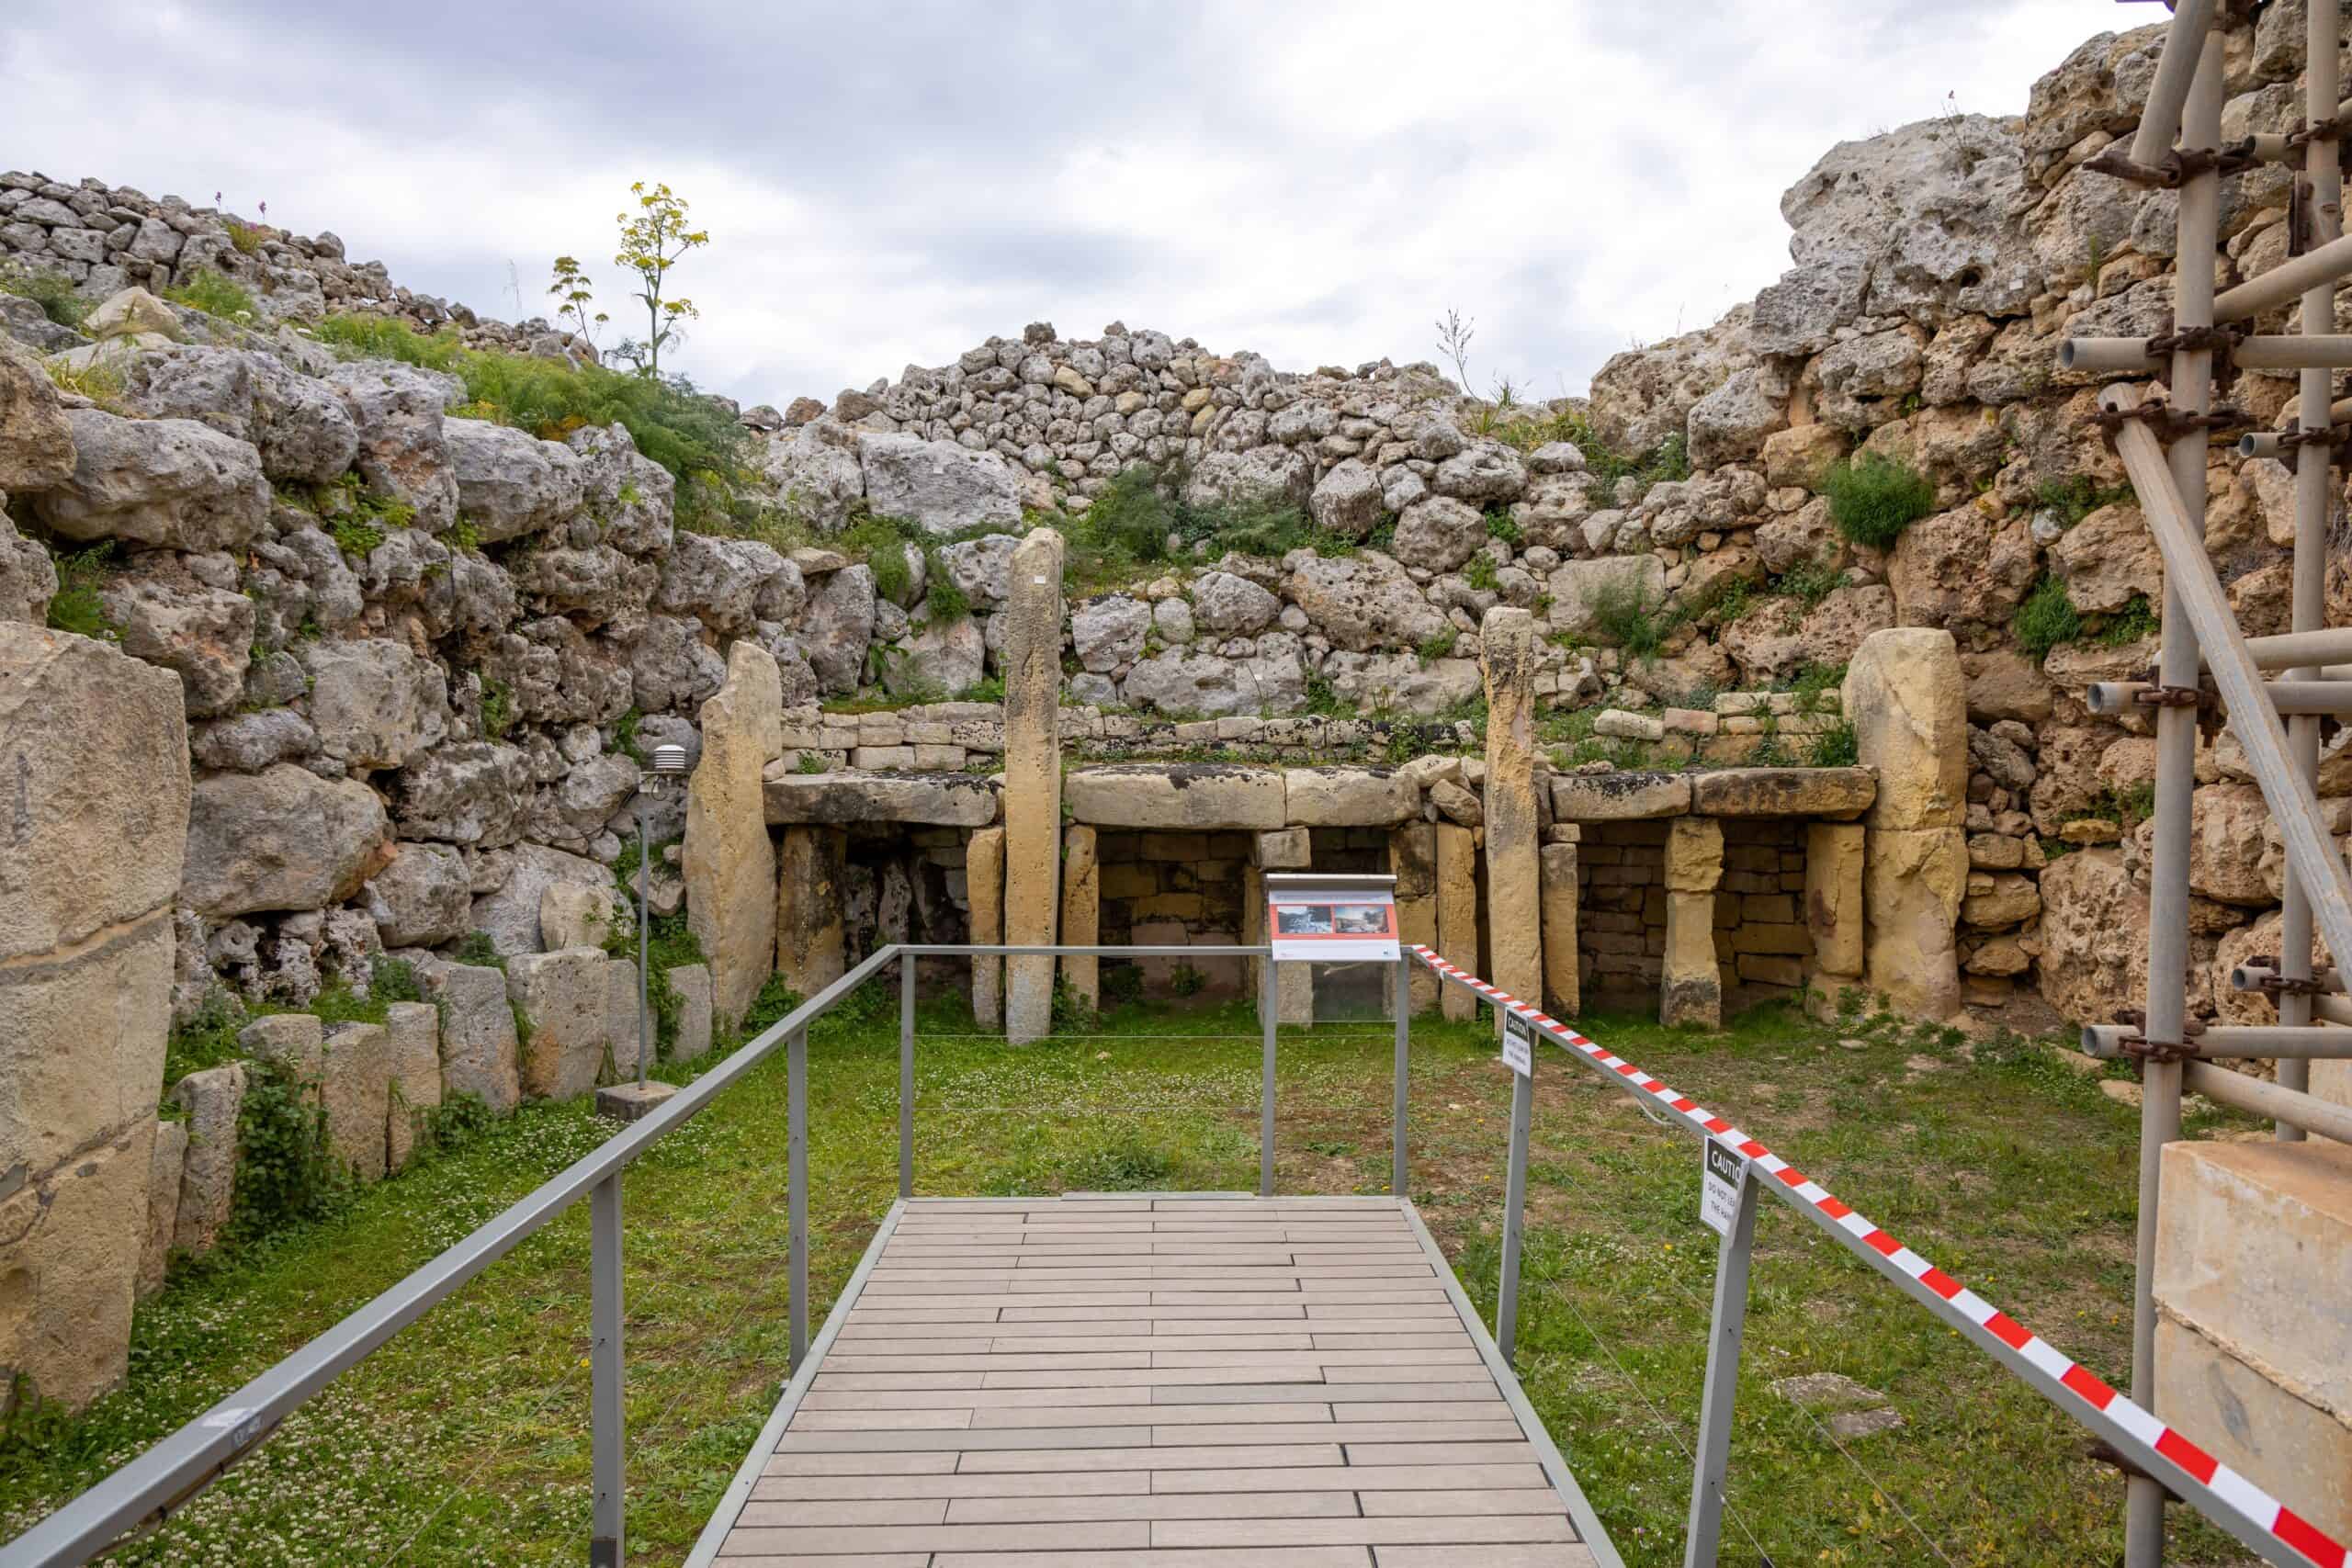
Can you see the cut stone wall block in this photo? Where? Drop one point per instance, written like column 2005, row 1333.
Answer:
column 213, row 1099
column 946, row 800
column 81, row 1042
column 730, row 863
column 1619, row 796
column 1562, row 978
column 1349, row 797
column 1082, row 914
column 2295, row 1451
column 1838, row 793
column 1691, row 985
column 479, row 1050
column 1908, row 702
column 1912, row 885
column 74, row 1244
column 1694, row 854
column 1031, row 622
column 1513, row 819
column 1833, row 895
column 563, row 999
column 296, row 1041
column 415, row 1032
column 1457, row 914
column 1412, row 860
column 691, row 982
column 984, row 883
column 1288, row 849
column 811, row 945
column 1200, row 795
column 170, row 1153
column 357, row 1090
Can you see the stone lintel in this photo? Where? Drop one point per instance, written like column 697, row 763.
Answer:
column 1215, row 796
column 1840, row 794
column 1622, row 796
column 945, row 800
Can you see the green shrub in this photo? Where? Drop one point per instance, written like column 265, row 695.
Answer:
column 286, row 1171
column 215, row 294
column 1872, row 499
column 1502, row 525
column 497, row 707
column 246, row 237
column 1127, row 1166
column 1809, row 582
column 2076, row 496
column 64, row 303
column 2129, row 625
column 355, row 537
column 2046, row 618
column 1837, row 748
column 1130, row 518
column 1438, row 645
column 76, row 607
column 394, row 980
column 1478, row 571
column 774, row 1003
column 943, row 603
column 1628, row 614
column 475, row 949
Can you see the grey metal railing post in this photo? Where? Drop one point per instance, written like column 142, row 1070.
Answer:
column 1714, row 1458
column 606, row 1413
column 797, row 1173
column 1268, row 1004
column 1522, row 1113
column 1397, row 1160
column 906, row 1074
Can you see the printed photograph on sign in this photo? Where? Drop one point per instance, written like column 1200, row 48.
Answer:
column 1362, row 919
column 1303, row 920
column 1333, row 919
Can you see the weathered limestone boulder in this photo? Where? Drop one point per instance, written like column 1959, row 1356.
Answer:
column 1732, row 422
column 36, row 440
column 412, row 1031
column 281, row 838
column 2108, row 559
column 510, row 914
column 1227, row 606
column 1771, row 643
column 1440, row 533
column 295, row 1041
column 1183, row 682
column 299, row 424
column 1691, row 985
column 421, row 897
column 1108, row 631
column 72, row 1252
column 1347, row 499
column 1457, row 803
column 2252, row 1358
column 1402, row 683
column 1362, row 602
column 1512, row 815
column 1262, row 474
column 1349, row 797
column 2094, row 936
column 811, row 891
column 164, row 1167
column 1961, row 569
column 213, row 1099
column 2005, row 683
column 952, row 800
column 1839, row 794
column 1619, row 796
column 562, row 1000
column 981, row 568
column 479, row 1046
column 631, row 498
column 402, row 453
column 574, row 914
column 722, row 581
column 942, row 660
column 837, row 625
column 356, row 1091
column 815, row 471
column 1177, row 795
column 1580, row 587
column 509, row 481
column 944, row 487
column 1909, row 703
column 167, row 482
column 628, row 1028
column 28, row 578
column 166, row 616
column 374, row 703
column 692, row 983
column 1031, row 622
column 730, row 863
column 464, row 792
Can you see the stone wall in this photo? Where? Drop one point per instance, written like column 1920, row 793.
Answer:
column 1173, row 889
column 1620, row 918
column 1761, row 940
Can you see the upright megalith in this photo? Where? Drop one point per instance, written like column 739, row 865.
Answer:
column 1562, row 981
column 1908, row 702
column 1412, row 860
column 1457, row 913
column 811, row 948
column 1082, row 914
column 1032, row 779
column 1513, row 822
column 730, row 863
column 1834, row 857
column 984, row 889
column 93, row 801
column 1691, row 987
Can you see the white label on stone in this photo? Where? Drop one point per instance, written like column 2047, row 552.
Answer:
column 1722, row 1173
column 1038, row 580
column 1519, row 1045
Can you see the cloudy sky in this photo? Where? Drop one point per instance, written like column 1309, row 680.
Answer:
column 891, row 181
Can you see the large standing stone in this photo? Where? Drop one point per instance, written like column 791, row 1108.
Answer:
column 357, row 1094
column 1412, row 860
column 984, row 884
column 1082, row 914
column 413, row 1032
column 163, row 1165
column 1834, row 858
column 1691, row 987
column 1457, row 913
column 730, row 863
column 72, row 1253
column 691, row 982
column 281, row 838
column 1032, row 779
column 1513, row 820
column 1563, row 980
column 212, row 1099
column 1909, row 703
column 565, row 1024
column 479, row 1053
column 810, row 891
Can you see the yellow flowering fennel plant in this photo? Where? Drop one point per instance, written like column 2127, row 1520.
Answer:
column 652, row 241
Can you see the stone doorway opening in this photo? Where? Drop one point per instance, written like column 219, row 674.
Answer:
column 1621, row 921
column 1173, row 889
column 1762, row 946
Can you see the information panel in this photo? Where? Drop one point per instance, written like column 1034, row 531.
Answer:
column 1332, row 920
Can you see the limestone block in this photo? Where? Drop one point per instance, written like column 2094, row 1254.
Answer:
column 1031, row 661
column 1908, row 702
column 1513, row 818
column 628, row 1027
column 208, row 1173
column 1694, row 854
column 2293, row 1449
column 1913, row 882
column 1082, row 913
column 1349, row 797
column 1457, row 913
column 1833, row 895
column 691, row 982
column 1200, row 795
column 1287, row 848
column 563, row 999
column 281, row 838
column 170, row 1152
column 1457, row 803
column 984, row 884
column 1562, row 978
column 76, row 1239
column 811, row 950
column 81, row 1041
column 730, row 863
column 949, row 800
column 94, row 748
column 1691, row 985
column 1412, row 860
column 572, row 914
column 479, row 1050
column 357, row 1090
column 1837, row 793
column 296, row 1041
column 1619, row 796
column 414, row 1031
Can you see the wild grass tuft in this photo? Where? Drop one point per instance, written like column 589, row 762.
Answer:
column 1872, row 499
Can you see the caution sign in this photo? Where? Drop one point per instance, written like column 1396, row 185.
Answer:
column 1519, row 1045
column 1722, row 1173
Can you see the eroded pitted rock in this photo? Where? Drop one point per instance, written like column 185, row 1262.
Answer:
column 167, row 482
column 630, row 498
column 281, row 838
column 509, row 481
column 398, row 411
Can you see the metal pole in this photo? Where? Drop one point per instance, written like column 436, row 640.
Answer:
column 1713, row 1461
column 797, row 1173
column 644, row 959
column 1522, row 1112
column 906, row 1074
column 606, row 1413
column 2323, row 204
column 1397, row 1157
column 1268, row 1002
column 2168, row 1000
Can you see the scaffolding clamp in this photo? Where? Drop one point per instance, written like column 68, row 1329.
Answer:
column 2329, row 130
column 2141, row 1050
column 2161, row 697
column 2169, row 423
column 2101, row 1452
column 2176, row 166
column 2277, row 984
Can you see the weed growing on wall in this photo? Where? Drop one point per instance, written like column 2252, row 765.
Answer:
column 60, row 299
column 2046, row 618
column 1872, row 499
column 215, row 294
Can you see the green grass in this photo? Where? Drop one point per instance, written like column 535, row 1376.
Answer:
column 76, row 607
column 215, row 294
column 1872, row 499
column 1625, row 613
column 466, row 1438
column 1128, row 528
column 2046, row 619
column 56, row 294
column 2076, row 496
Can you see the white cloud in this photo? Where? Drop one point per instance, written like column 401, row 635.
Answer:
column 891, row 185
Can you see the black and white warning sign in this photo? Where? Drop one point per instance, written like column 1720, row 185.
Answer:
column 1722, row 1173
column 1519, row 1045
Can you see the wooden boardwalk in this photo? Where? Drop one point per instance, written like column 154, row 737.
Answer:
column 1184, row 1382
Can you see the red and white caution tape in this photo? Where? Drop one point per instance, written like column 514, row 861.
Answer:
column 2230, row 1492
